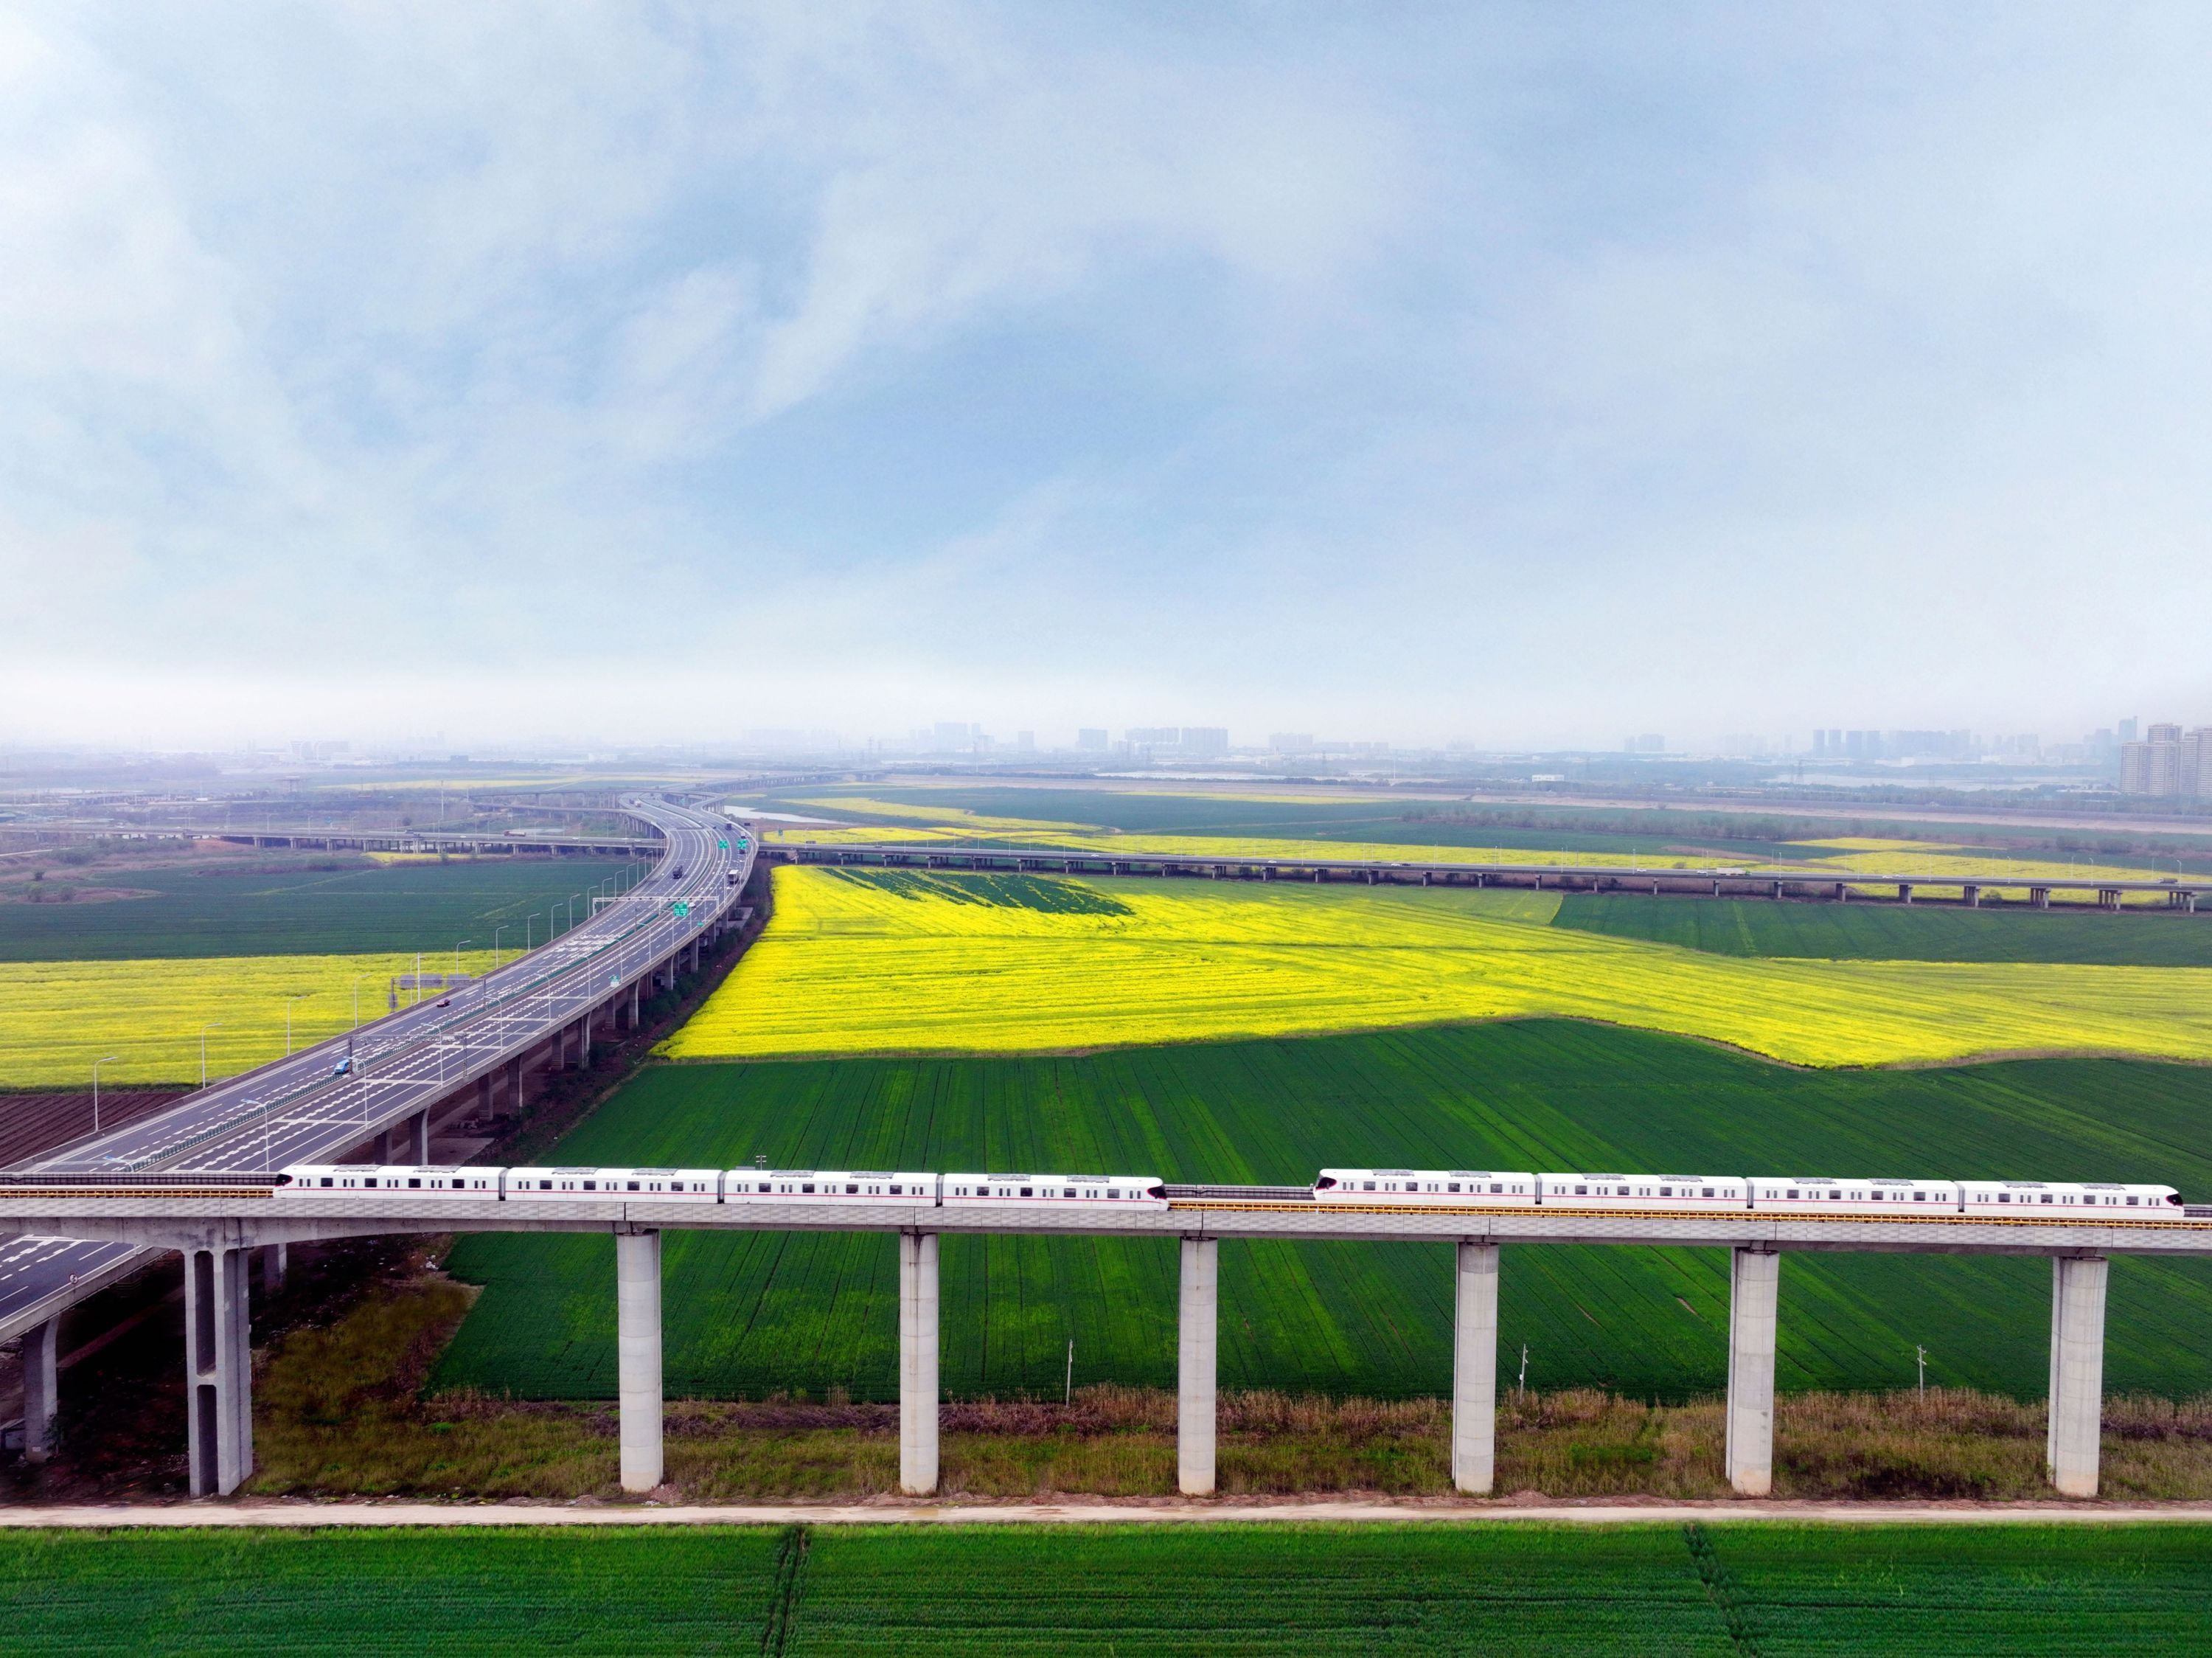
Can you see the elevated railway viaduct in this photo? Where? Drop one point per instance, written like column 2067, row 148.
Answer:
column 215, row 1222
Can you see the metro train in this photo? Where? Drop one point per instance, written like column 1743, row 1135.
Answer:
column 739, row 1186
column 1792, row 1194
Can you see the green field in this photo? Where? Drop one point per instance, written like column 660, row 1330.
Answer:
column 355, row 907
column 1892, row 932
column 749, row 1314
column 1124, row 1592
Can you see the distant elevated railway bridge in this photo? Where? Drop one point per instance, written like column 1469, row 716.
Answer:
column 1975, row 887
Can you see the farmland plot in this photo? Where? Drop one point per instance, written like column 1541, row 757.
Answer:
column 750, row 1314
column 886, row 962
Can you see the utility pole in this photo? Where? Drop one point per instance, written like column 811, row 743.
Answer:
column 1067, row 1393
column 1522, row 1388
column 1922, row 1353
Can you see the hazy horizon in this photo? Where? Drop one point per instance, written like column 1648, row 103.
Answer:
column 1527, row 376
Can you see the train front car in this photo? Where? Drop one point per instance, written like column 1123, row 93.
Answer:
column 975, row 1191
column 1636, row 1193
column 1855, row 1194
column 2053, row 1200
column 1461, row 1188
column 907, row 1188
column 659, row 1185
column 479, row 1183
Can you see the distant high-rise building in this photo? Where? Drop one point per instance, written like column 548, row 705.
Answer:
column 2152, row 767
column 1025, row 742
column 2196, row 768
column 1291, row 742
column 1153, row 736
column 1649, row 743
column 1199, row 741
column 955, row 736
column 2128, row 729
column 1091, row 740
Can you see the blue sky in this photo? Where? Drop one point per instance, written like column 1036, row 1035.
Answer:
column 1524, row 374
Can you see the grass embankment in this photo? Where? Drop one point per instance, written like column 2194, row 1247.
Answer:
column 901, row 961
column 1854, row 932
column 58, row 1017
column 750, row 1314
column 339, row 1414
column 1121, row 1591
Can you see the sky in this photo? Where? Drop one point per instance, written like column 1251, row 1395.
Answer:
column 1526, row 374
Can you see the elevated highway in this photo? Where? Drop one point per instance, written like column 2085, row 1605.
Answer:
column 383, row 1081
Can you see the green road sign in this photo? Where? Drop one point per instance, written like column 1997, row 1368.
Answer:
column 682, row 909
column 724, row 844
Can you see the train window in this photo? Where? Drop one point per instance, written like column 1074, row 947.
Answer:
column 326, row 1179
column 2131, row 1202
column 1367, row 1185
column 2004, row 1196
column 545, row 1186
column 1623, row 1192
column 809, row 1186
column 1582, row 1192
column 368, row 1180
column 590, row 1185
column 1666, row 1192
column 1708, row 1192
column 460, row 1185
column 1496, row 1187
column 2046, row 1197
column 1793, row 1192
column 852, row 1189
column 656, row 1185
column 1114, row 1192
column 1454, row 1184
column 1835, row 1197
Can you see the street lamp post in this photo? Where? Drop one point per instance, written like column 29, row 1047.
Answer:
column 457, row 958
column 495, row 932
column 288, row 1001
column 204, row 1030
column 96, row 1064
column 356, row 1000
column 528, row 934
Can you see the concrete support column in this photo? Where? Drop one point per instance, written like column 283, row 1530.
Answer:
column 1754, row 1289
column 483, row 1095
column 276, row 1260
column 636, row 1004
column 514, row 1084
column 41, row 1388
column 918, row 1354
column 2077, row 1372
column 637, row 1356
column 1197, row 1339
column 584, row 1039
column 418, row 1131
column 1474, row 1370
column 1904, row 892
column 218, row 1371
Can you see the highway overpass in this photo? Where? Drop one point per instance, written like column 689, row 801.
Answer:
column 382, row 1083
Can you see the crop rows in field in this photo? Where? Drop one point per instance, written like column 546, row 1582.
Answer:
column 58, row 1017
column 1120, row 1592
column 1890, row 932
column 355, row 908
column 747, row 1314
column 857, row 962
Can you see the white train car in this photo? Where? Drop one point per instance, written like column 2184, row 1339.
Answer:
column 1459, row 1187
column 822, row 1185
column 1857, row 1194
column 699, row 1186
column 2051, row 1200
column 1643, row 1191
column 974, row 1191
column 480, row 1183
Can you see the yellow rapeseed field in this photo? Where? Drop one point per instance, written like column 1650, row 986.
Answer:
column 56, row 1017
column 848, row 967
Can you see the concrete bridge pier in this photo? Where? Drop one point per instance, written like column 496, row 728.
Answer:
column 218, row 1371
column 918, row 1356
column 1197, row 1339
column 2040, row 896
column 1754, row 1289
column 584, row 1040
column 514, row 1084
column 637, row 1355
column 276, row 1261
column 1474, row 1370
column 636, row 1004
column 41, row 1388
column 2077, row 1372
column 1904, row 892
column 1972, row 896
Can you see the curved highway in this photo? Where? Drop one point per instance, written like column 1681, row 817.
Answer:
column 322, row 1100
